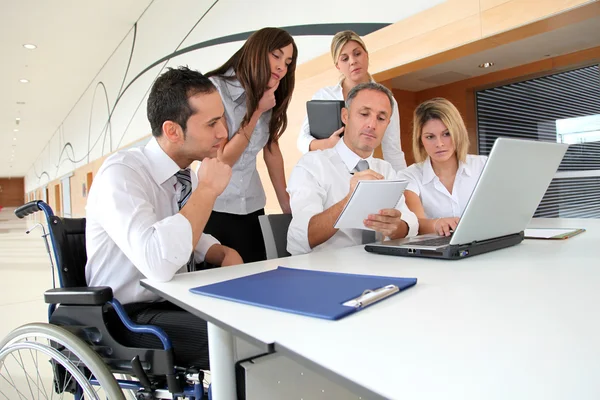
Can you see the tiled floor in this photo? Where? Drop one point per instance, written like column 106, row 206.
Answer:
column 24, row 276
column 24, row 273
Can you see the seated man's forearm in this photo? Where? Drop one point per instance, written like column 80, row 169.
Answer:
column 401, row 232
column 221, row 255
column 320, row 227
column 197, row 210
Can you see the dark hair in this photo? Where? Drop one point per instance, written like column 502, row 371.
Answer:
column 369, row 86
column 168, row 99
column 252, row 69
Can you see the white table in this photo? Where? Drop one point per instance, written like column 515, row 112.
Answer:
column 517, row 323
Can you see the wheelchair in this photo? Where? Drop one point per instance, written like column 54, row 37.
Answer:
column 75, row 352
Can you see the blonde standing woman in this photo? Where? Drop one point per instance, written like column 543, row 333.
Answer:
column 351, row 58
column 444, row 176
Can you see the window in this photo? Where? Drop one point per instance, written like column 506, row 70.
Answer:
column 563, row 108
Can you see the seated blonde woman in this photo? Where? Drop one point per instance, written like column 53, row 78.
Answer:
column 444, row 176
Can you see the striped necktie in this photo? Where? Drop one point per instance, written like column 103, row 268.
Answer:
column 367, row 236
column 184, row 178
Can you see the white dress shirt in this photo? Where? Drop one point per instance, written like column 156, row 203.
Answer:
column 245, row 193
column 437, row 201
column 321, row 179
column 390, row 145
column 133, row 228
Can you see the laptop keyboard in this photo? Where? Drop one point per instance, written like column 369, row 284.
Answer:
column 438, row 241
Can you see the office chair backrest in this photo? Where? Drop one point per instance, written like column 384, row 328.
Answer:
column 68, row 236
column 274, row 230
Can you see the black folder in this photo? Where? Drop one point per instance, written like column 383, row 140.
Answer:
column 324, row 117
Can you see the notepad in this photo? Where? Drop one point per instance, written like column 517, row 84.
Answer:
column 551, row 233
column 320, row 294
column 369, row 197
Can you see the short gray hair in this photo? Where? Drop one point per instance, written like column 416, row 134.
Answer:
column 369, row 86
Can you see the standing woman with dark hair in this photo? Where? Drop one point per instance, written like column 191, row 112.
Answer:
column 256, row 86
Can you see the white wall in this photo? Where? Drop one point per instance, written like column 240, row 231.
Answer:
column 168, row 26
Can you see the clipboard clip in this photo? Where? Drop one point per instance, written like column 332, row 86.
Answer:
column 369, row 296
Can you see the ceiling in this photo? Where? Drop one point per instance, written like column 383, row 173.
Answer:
column 568, row 39
column 74, row 39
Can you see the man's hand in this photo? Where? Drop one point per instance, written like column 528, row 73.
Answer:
column 267, row 101
column 442, row 226
column 388, row 222
column 214, row 175
column 368, row 175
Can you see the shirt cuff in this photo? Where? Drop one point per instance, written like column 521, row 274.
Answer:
column 298, row 235
column 304, row 142
column 206, row 242
column 413, row 223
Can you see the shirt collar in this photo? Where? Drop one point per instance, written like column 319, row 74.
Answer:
column 429, row 174
column 162, row 167
column 349, row 157
column 464, row 169
column 236, row 90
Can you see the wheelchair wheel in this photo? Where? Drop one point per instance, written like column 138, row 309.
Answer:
column 40, row 360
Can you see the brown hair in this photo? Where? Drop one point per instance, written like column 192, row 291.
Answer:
column 252, row 69
column 443, row 110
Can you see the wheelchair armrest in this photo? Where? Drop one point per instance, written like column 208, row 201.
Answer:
column 85, row 296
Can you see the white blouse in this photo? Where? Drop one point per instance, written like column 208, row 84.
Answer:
column 437, row 201
column 245, row 193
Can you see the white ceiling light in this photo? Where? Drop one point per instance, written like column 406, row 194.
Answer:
column 24, row 80
column 15, row 130
column 30, row 46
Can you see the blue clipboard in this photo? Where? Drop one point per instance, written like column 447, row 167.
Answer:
column 312, row 293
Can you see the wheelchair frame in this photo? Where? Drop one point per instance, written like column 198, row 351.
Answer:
column 74, row 326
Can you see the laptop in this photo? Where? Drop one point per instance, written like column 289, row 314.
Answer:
column 510, row 188
column 324, row 117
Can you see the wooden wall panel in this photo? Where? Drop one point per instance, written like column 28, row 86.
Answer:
column 515, row 13
column 78, row 182
column 487, row 4
column 12, row 191
column 407, row 102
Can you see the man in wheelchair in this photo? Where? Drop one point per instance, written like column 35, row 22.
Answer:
column 146, row 212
